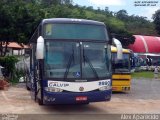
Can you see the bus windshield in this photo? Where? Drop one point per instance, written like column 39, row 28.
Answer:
column 77, row 60
column 95, row 60
column 75, row 31
column 121, row 65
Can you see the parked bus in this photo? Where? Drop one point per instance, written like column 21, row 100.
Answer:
column 70, row 62
column 121, row 71
column 136, row 62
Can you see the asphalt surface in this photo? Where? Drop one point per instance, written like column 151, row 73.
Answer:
column 144, row 98
column 144, row 89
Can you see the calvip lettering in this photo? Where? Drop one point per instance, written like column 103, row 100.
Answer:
column 56, row 84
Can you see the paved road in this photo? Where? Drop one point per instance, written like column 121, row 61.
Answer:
column 144, row 97
column 144, row 89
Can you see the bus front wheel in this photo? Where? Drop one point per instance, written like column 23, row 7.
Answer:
column 28, row 88
column 40, row 102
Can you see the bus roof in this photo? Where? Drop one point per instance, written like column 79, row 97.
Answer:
column 114, row 49
column 71, row 20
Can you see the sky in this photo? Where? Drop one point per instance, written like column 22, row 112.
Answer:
column 147, row 8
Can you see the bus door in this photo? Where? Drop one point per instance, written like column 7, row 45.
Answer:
column 32, row 84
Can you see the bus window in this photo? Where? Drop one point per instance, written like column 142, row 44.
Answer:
column 75, row 31
column 60, row 55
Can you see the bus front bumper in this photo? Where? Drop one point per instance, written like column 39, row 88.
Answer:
column 75, row 97
column 121, row 88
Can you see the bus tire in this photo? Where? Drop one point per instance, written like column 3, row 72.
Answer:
column 86, row 103
column 40, row 102
column 28, row 88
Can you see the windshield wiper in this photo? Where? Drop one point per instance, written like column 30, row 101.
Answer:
column 71, row 58
column 86, row 59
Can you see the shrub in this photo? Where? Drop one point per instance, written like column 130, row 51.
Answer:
column 8, row 62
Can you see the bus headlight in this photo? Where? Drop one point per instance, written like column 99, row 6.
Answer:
column 53, row 89
column 105, row 88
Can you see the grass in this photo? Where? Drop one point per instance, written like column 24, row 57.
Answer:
column 143, row 74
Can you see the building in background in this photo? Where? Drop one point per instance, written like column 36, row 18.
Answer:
column 14, row 48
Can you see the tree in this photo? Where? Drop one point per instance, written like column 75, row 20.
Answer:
column 125, row 38
column 55, row 2
column 122, row 15
column 18, row 20
column 6, row 26
column 156, row 18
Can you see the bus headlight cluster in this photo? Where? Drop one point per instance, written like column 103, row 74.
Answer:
column 105, row 88
column 53, row 89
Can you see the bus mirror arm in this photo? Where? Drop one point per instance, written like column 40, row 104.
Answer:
column 40, row 48
column 118, row 44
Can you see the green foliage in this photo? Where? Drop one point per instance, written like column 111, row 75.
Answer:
column 17, row 75
column 156, row 18
column 19, row 18
column 125, row 38
column 136, row 24
column 115, row 25
column 8, row 62
column 122, row 15
column 14, row 80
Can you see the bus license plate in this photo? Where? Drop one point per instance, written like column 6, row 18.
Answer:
column 81, row 98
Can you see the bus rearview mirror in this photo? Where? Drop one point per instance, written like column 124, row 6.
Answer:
column 118, row 44
column 40, row 48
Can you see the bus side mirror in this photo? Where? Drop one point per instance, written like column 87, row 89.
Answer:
column 118, row 44
column 40, row 48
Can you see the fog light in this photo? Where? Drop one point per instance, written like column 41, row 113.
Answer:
column 53, row 89
column 105, row 88
column 49, row 99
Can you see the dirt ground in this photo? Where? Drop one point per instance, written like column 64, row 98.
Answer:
column 144, row 98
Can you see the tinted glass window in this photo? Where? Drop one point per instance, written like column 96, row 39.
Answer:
column 120, row 65
column 75, row 31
